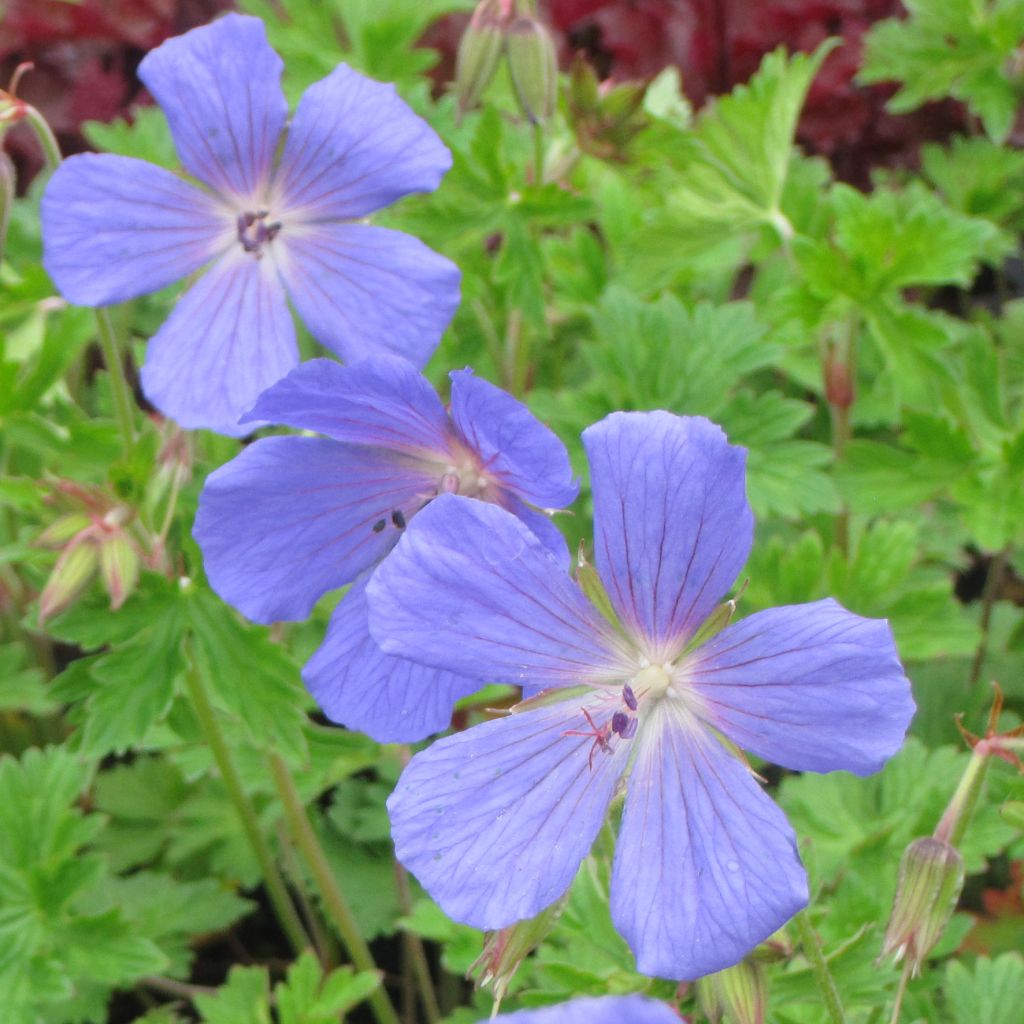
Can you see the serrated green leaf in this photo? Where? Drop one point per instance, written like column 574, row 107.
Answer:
column 253, row 678
column 734, row 163
column 959, row 48
column 244, row 997
column 307, row 997
column 991, row 991
column 145, row 137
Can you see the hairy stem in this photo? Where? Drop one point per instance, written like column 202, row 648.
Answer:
column 897, row 1006
column 993, row 581
column 333, row 899
column 811, row 946
column 44, row 133
column 123, row 403
column 276, row 890
column 417, row 955
column 960, row 810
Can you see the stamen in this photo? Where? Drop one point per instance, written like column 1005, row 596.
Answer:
column 254, row 232
column 398, row 518
column 379, row 525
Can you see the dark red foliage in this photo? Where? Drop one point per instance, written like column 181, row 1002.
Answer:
column 85, row 55
column 720, row 43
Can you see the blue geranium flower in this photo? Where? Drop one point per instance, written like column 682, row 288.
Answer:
column 495, row 821
column 291, row 518
column 602, row 1010
column 265, row 228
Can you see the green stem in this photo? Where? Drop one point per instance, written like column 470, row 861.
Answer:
column 958, row 814
column 819, row 966
column 333, row 899
column 900, row 993
column 44, row 133
column 993, row 582
column 108, row 338
column 279, row 898
column 123, row 403
column 538, row 154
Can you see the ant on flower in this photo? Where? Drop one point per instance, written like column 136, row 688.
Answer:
column 622, row 723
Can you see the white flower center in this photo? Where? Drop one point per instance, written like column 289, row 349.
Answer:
column 652, row 681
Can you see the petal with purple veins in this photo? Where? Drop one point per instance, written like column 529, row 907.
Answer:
column 812, row 687
column 362, row 290
column 353, row 147
column 706, row 865
column 220, row 88
column 293, row 517
column 359, row 686
column 672, row 526
column 471, row 590
column 228, row 338
column 382, row 400
column 631, row 1009
column 515, row 448
column 115, row 228
column 495, row 821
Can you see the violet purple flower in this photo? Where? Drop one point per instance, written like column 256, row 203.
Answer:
column 291, row 518
column 115, row 228
column 495, row 821
column 631, row 1009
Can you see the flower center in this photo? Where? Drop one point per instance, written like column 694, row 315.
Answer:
column 466, row 479
column 254, row 230
column 652, row 681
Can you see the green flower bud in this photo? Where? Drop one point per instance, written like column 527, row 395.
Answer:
column 62, row 530
column 533, row 64
column 119, row 568
column 505, row 950
column 480, row 51
column 604, row 119
column 930, row 879
column 75, row 567
column 737, row 995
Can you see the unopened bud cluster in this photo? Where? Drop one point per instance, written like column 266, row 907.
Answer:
column 505, row 28
column 94, row 538
column 737, row 995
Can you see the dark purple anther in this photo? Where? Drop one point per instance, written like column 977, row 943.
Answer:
column 620, row 722
column 398, row 518
column 253, row 231
column 629, row 730
column 379, row 525
column 629, row 697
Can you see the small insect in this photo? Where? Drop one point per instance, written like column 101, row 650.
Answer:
column 600, row 736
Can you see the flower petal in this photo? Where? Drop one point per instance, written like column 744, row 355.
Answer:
column 495, row 821
column 812, row 687
column 471, row 590
column 542, row 526
column 362, row 290
column 353, row 147
column 229, row 337
column 672, row 526
column 602, row 1010
column 381, row 401
column 359, row 686
column 516, row 449
column 706, row 865
column 220, row 89
column 115, row 228
column 293, row 517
